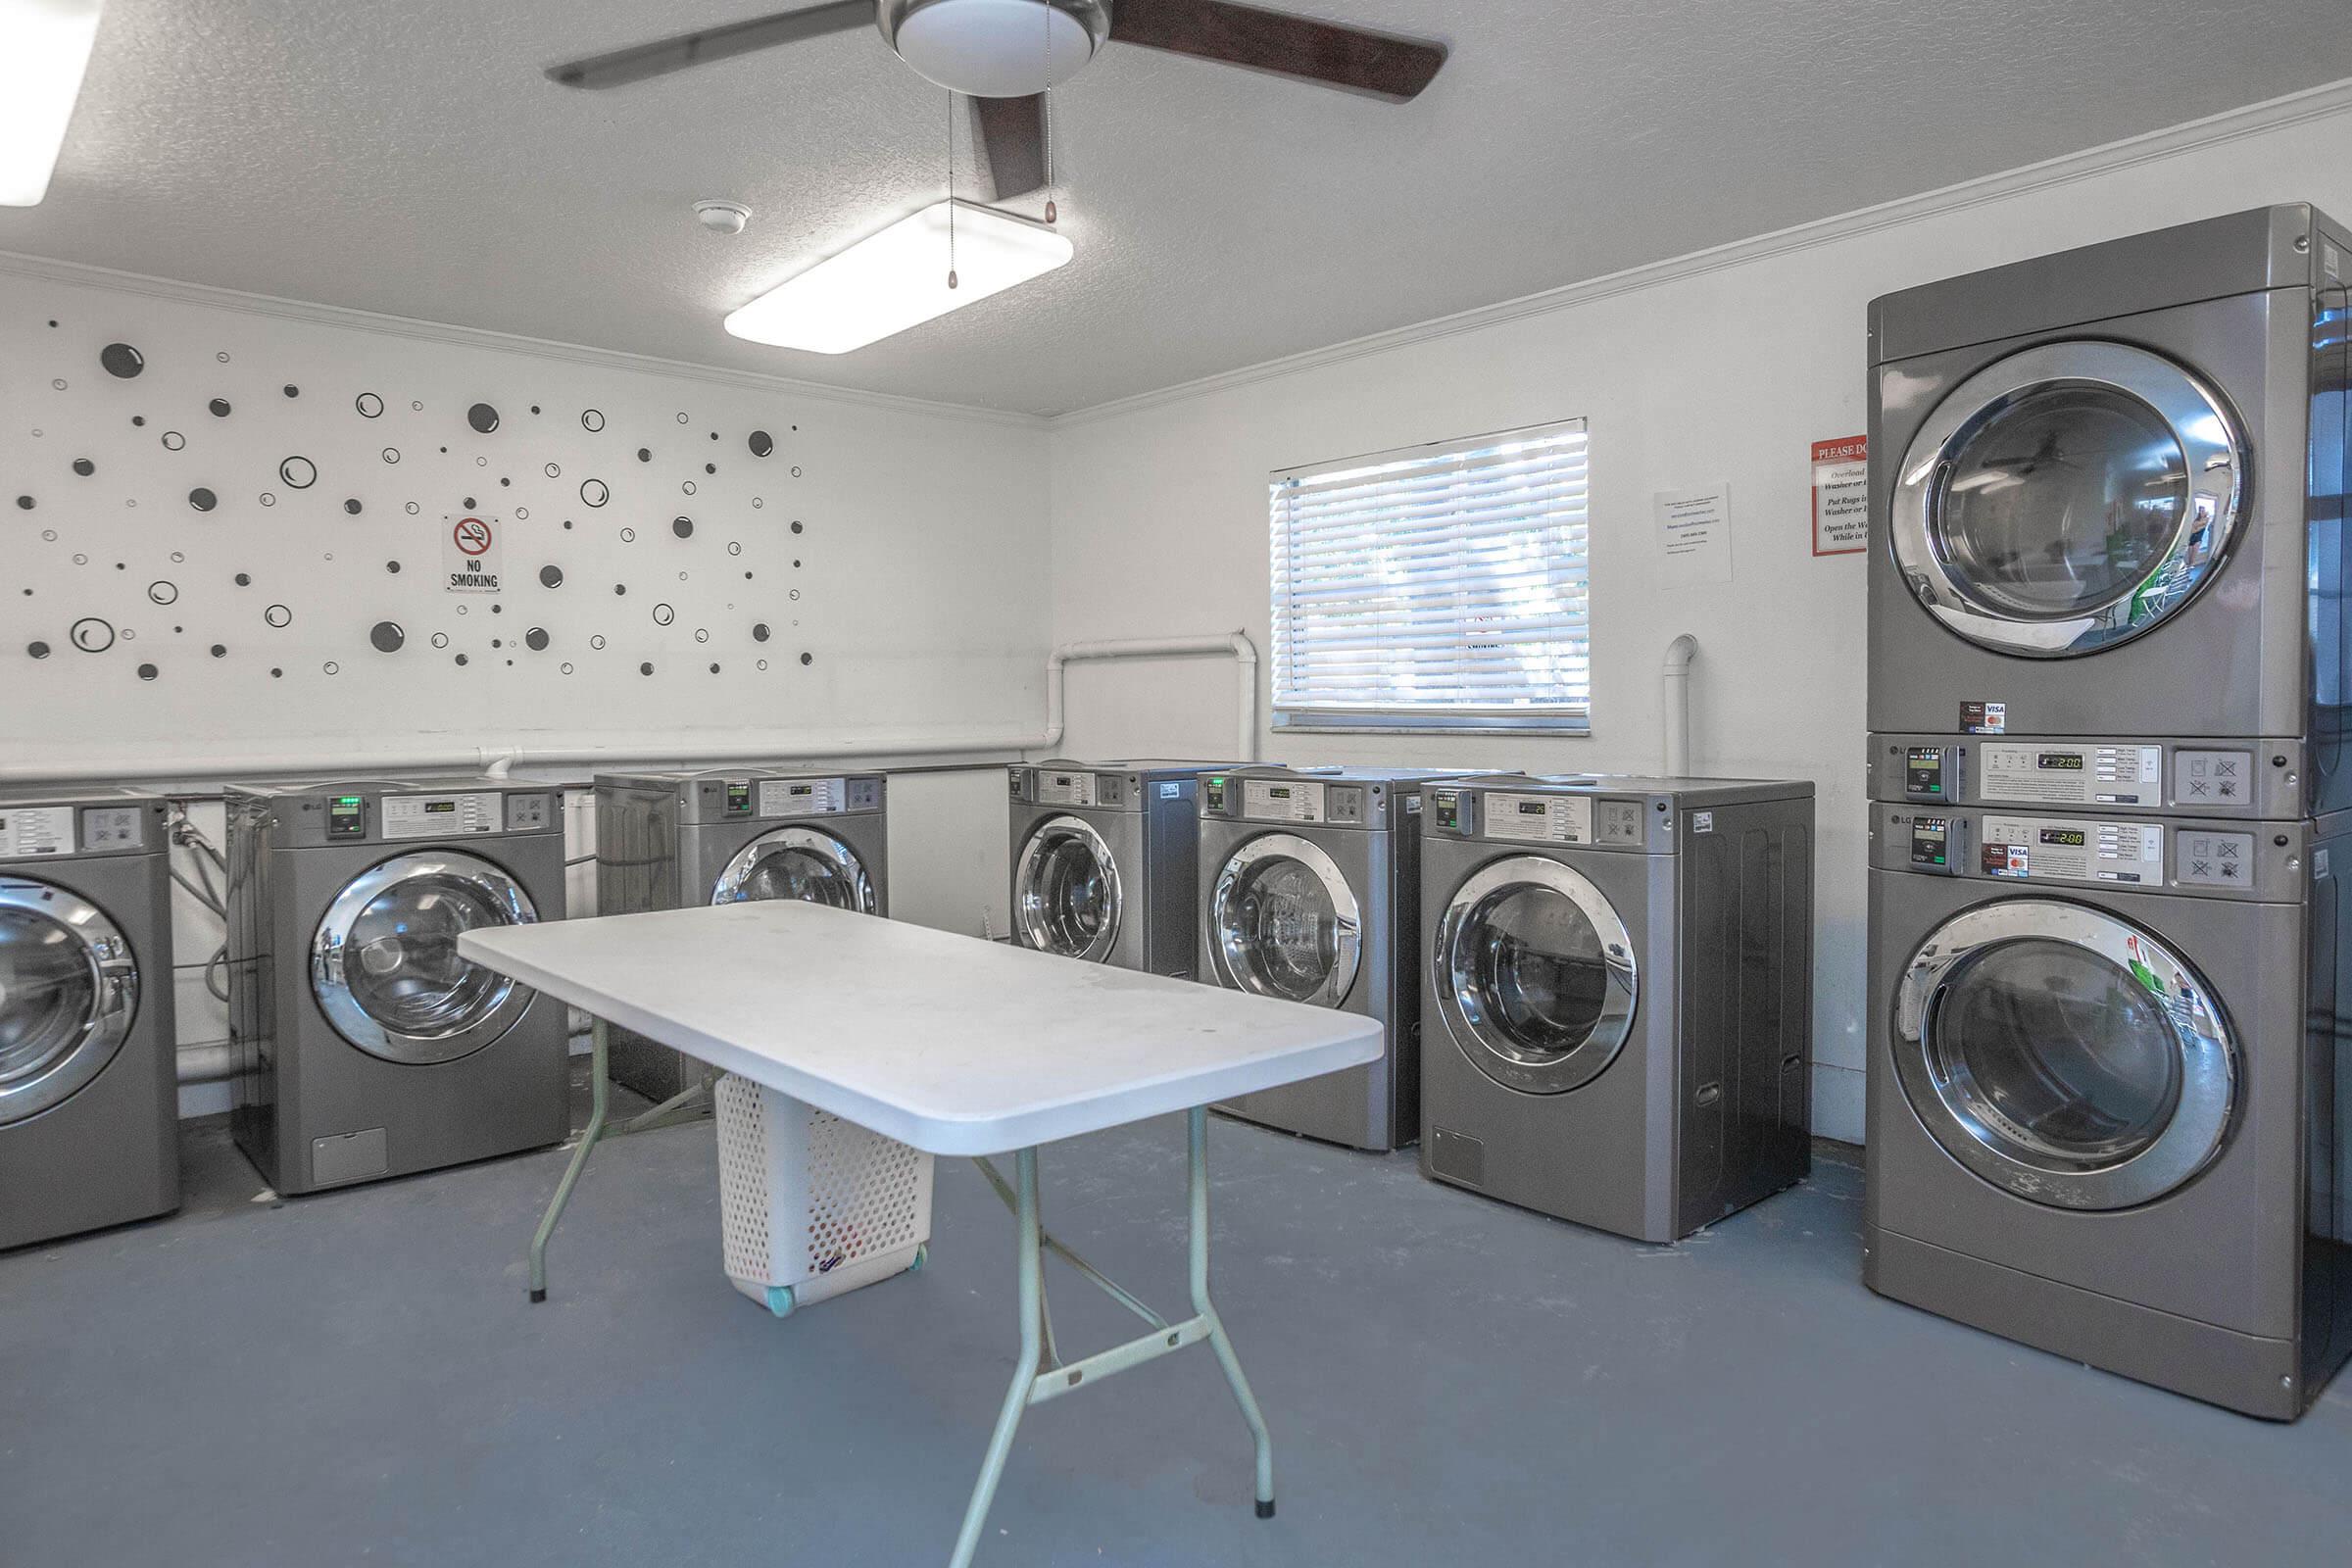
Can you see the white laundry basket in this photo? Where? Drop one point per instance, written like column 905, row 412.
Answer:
column 811, row 1205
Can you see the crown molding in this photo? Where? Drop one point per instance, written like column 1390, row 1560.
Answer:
column 2314, row 103
column 49, row 270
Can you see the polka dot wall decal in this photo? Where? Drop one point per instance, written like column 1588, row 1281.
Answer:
column 37, row 650
column 713, row 670
column 164, row 591
column 681, row 415
column 620, row 588
column 220, row 650
column 223, row 356
column 534, row 408
column 628, row 536
column 663, row 614
column 278, row 615
column 597, row 641
column 593, row 492
column 92, row 635
column 645, row 669
column 807, row 659
column 278, row 675
column 387, row 637
column 84, row 466
column 391, row 454
column 148, row 672
column 536, row 638
column 299, row 471
column 566, row 668
column 411, row 509
column 701, row 634
column 645, row 455
column 269, row 500
column 24, row 502
column 415, row 406
column 592, row 419
column 551, row 576
column 709, row 467
column 764, row 663
column 796, row 471
column 761, row 443
column 353, row 505
column 244, row 579
column 202, row 500
column 521, row 513
column 174, row 441
column 683, row 528
column 796, row 526
column 178, row 557
column 331, row 668
column 734, row 547
column 219, row 408
column 687, row 487
column 554, row 471
column 392, row 566
column 291, row 390
column 370, row 405
column 59, row 385
column 138, row 420
column 759, row 632
column 120, row 358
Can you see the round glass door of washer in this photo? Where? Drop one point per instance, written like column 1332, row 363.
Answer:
column 68, row 990
column 1534, row 975
column 2064, row 1054
column 1065, row 890
column 797, row 862
column 385, row 967
column 2066, row 498
column 1282, row 922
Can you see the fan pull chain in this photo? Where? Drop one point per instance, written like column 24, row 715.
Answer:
column 1045, row 113
column 951, row 190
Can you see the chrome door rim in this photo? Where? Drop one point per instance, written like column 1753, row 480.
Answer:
column 2190, row 411
column 114, row 983
column 1461, row 1007
column 1028, row 905
column 815, row 841
column 363, row 1028
column 2201, row 1123
column 1225, row 941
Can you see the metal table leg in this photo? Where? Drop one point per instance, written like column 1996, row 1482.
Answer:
column 600, row 1088
column 1041, row 1375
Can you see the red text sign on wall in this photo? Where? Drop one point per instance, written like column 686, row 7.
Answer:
column 1842, row 496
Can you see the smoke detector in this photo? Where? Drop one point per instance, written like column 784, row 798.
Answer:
column 722, row 218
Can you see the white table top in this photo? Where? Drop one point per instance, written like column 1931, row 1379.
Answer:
column 951, row 1044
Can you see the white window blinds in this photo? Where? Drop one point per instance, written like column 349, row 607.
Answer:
column 1442, row 587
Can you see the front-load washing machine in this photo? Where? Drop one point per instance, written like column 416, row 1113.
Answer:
column 2108, row 1090
column 89, row 1132
column 2108, row 489
column 673, row 841
column 1310, row 892
column 1104, row 861
column 365, row 1046
column 1617, row 1013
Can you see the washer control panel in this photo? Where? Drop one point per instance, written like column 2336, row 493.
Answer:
column 2254, row 779
column 1539, row 819
column 801, row 796
column 438, row 817
column 2051, row 848
column 36, row 832
column 1284, row 800
column 2121, row 853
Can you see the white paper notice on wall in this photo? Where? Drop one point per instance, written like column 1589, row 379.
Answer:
column 469, row 554
column 1695, row 532
column 1842, row 496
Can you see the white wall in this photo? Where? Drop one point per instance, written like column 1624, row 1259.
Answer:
column 1721, row 370
column 913, row 584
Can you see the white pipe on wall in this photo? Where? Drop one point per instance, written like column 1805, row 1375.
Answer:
column 616, row 750
column 1675, row 678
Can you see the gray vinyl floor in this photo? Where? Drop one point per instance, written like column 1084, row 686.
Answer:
column 356, row 1378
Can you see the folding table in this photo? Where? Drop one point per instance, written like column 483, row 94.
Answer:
column 952, row 1045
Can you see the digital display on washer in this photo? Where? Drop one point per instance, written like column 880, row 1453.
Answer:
column 2070, row 837
column 439, row 807
column 1931, row 840
column 347, row 817
column 739, row 797
column 1923, row 771
column 2071, row 762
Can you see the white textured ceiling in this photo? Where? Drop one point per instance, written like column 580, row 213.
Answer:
column 407, row 157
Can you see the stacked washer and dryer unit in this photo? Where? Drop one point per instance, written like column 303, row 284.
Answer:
column 2108, row 936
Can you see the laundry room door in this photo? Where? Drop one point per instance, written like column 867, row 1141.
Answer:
column 2068, row 498
column 1066, row 890
column 1534, row 975
column 2065, row 1054
column 384, row 963
column 1282, row 922
column 804, row 863
column 68, row 990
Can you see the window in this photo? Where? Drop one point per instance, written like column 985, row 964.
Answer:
column 1441, row 587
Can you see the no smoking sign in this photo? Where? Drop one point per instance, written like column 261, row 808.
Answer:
column 469, row 554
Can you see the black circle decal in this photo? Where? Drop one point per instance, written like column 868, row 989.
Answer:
column 37, row 650
column 147, row 672
column 220, row 650
column 551, row 576
column 299, row 472
column 593, row 420
column 663, row 614
column 92, row 635
column 84, row 466
column 536, row 637
column 368, row 405
column 645, row 454
column 244, row 579
column 807, row 659
column 763, row 443
column 292, row 391
column 645, row 669
column 120, row 358
column 759, row 632
column 795, row 527
column 351, row 506
column 483, row 418
column 392, row 566
column 24, row 502
column 163, row 592
column 387, row 637
column 683, row 528
column 174, row 441
column 219, row 408
column 202, row 500
column 277, row 615
column 593, row 492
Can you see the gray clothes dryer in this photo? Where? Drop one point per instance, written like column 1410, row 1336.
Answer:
column 366, row 1046
column 1104, row 861
column 2107, row 1110
column 1617, row 1013
column 90, row 1100
column 1310, row 892
column 674, row 841
column 2108, row 492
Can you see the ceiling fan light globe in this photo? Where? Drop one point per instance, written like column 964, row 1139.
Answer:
column 995, row 48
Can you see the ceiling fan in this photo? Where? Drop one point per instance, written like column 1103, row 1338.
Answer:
column 1006, row 53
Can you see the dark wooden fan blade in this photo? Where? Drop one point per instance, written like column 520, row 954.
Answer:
column 665, row 55
column 1375, row 63
column 1013, row 136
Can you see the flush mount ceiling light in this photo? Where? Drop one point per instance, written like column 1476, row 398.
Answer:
column 897, row 278
column 44, row 47
column 995, row 48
